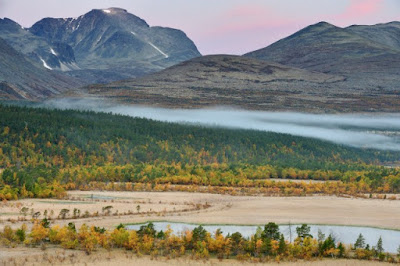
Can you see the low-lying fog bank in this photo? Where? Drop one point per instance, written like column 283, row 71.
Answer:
column 378, row 131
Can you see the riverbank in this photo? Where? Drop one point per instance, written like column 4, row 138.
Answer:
column 203, row 208
column 343, row 234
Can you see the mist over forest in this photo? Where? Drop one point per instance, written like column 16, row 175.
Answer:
column 378, row 131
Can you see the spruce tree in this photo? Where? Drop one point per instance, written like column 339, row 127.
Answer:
column 360, row 242
column 341, row 250
column 271, row 231
column 303, row 231
column 282, row 245
column 379, row 246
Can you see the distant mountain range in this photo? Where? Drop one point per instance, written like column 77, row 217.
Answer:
column 343, row 70
column 321, row 68
column 100, row 46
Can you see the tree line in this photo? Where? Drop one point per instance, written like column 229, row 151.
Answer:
column 267, row 244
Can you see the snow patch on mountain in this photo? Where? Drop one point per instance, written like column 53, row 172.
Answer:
column 53, row 52
column 159, row 50
column 45, row 64
column 79, row 23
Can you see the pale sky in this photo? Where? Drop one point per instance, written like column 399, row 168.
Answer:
column 219, row 26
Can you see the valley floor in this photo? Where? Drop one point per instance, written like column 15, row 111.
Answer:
column 203, row 208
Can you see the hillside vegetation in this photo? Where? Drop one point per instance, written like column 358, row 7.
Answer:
column 42, row 152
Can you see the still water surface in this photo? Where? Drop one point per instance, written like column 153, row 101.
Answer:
column 344, row 234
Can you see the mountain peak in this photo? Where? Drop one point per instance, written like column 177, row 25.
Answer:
column 324, row 24
column 109, row 11
column 320, row 26
column 117, row 15
column 114, row 10
column 9, row 24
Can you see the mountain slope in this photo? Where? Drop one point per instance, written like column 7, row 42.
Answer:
column 104, row 40
column 368, row 56
column 387, row 34
column 246, row 83
column 222, row 80
column 326, row 48
column 54, row 56
column 21, row 79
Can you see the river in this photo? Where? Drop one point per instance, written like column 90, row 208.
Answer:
column 344, row 234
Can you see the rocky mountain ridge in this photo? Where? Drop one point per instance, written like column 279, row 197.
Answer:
column 100, row 46
column 115, row 41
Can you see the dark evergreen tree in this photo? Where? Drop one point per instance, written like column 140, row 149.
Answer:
column 282, row 245
column 360, row 242
column 303, row 231
column 379, row 246
column 271, row 231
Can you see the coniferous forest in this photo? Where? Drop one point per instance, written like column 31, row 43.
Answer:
column 43, row 152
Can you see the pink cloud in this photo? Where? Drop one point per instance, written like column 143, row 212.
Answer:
column 362, row 8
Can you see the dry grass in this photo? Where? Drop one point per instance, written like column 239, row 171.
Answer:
column 56, row 256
